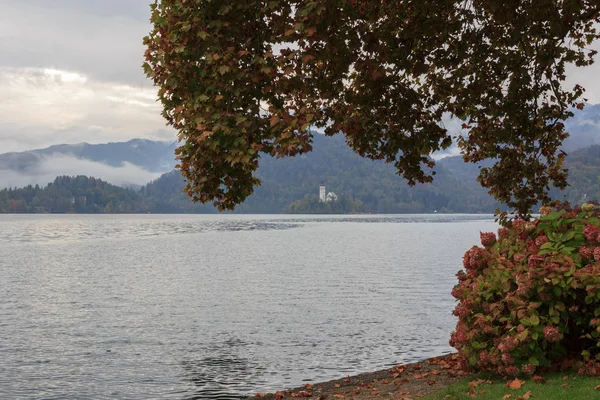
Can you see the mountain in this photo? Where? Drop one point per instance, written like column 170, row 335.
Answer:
column 291, row 184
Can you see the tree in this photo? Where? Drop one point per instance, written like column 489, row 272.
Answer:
column 241, row 79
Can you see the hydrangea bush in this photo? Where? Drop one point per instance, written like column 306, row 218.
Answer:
column 530, row 297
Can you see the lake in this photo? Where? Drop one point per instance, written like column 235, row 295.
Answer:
column 220, row 306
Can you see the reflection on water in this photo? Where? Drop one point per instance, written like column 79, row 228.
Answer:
column 218, row 307
column 222, row 373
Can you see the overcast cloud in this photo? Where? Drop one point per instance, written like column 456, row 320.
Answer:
column 70, row 72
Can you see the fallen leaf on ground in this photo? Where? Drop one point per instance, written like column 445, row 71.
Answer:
column 338, row 396
column 526, row 396
column 260, row 395
column 507, row 396
column 514, row 385
column 597, row 387
column 538, row 379
column 301, row 394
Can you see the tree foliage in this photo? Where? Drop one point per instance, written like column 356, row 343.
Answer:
column 238, row 79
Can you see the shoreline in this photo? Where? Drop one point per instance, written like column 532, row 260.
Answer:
column 406, row 381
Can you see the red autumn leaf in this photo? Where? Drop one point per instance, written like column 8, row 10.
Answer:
column 538, row 379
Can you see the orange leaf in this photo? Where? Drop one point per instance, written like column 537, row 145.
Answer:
column 526, row 396
column 260, row 395
column 338, row 396
column 507, row 396
column 597, row 387
column 516, row 384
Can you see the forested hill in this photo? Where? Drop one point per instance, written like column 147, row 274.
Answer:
column 291, row 185
column 66, row 194
column 333, row 164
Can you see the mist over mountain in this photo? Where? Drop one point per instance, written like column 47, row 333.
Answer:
column 133, row 163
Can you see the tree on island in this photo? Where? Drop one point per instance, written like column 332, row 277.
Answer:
column 241, row 79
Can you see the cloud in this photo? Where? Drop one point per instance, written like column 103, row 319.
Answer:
column 42, row 106
column 47, row 168
column 102, row 39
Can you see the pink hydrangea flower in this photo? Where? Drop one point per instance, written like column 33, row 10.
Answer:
column 503, row 232
column 591, row 233
column 586, row 252
column 487, row 238
column 551, row 334
column 529, row 369
column 540, row 240
column 597, row 253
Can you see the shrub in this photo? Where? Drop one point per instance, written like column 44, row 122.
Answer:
column 530, row 297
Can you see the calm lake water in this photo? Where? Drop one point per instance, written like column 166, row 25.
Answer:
column 217, row 307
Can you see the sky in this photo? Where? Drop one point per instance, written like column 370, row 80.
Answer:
column 70, row 72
